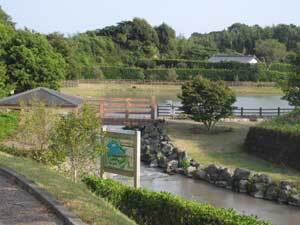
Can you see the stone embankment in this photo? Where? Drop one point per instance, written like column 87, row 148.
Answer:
column 157, row 150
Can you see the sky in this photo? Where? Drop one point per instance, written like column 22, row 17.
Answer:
column 185, row 16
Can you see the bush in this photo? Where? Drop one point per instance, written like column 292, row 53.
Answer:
column 282, row 67
column 156, row 208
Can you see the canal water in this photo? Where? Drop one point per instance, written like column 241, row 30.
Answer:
column 264, row 101
column 154, row 179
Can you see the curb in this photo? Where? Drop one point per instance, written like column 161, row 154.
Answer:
column 57, row 208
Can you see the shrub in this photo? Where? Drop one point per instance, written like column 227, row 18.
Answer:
column 156, row 208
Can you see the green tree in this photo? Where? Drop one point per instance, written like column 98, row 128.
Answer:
column 291, row 89
column 270, row 50
column 171, row 75
column 32, row 62
column 35, row 129
column 77, row 135
column 206, row 101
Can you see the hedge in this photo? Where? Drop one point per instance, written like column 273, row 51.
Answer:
column 157, row 208
column 276, row 146
column 182, row 63
column 161, row 74
column 282, row 67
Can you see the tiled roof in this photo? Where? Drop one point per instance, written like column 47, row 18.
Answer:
column 48, row 96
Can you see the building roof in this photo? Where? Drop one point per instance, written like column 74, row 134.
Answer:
column 224, row 58
column 48, row 96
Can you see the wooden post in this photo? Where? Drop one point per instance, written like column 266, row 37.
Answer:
column 102, row 158
column 101, row 109
column 260, row 111
column 153, row 108
column 137, row 159
column 127, row 109
column 242, row 112
column 278, row 111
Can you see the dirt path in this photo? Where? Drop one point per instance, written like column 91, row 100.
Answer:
column 18, row 207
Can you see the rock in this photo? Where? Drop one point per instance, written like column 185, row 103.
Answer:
column 180, row 171
column 272, row 192
column 261, row 178
column 243, row 186
column 200, row 174
column 257, row 190
column 167, row 148
column 222, row 184
column 225, row 174
column 285, row 191
column 162, row 161
column 173, row 156
column 241, row 174
column 190, row 171
column 294, row 199
column 154, row 163
column 212, row 173
column 181, row 156
column 171, row 167
column 194, row 163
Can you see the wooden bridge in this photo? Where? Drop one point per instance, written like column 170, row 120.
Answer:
column 125, row 111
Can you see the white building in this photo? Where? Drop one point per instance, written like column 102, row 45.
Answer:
column 241, row 59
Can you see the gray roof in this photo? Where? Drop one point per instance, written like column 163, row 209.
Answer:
column 48, row 96
column 224, row 58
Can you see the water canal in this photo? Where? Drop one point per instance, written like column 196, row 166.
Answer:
column 154, row 179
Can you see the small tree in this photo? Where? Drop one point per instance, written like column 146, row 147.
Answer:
column 35, row 129
column 291, row 89
column 172, row 75
column 77, row 135
column 206, row 101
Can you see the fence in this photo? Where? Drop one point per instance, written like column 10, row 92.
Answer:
column 174, row 110
column 126, row 111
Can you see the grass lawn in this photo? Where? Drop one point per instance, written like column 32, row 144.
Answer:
column 224, row 148
column 77, row 197
column 162, row 92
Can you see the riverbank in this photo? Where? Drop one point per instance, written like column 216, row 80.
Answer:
column 161, row 92
column 225, row 148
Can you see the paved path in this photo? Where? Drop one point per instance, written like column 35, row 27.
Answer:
column 18, row 207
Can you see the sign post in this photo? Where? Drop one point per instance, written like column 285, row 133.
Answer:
column 123, row 153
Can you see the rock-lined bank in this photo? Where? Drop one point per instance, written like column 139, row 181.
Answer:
column 157, row 150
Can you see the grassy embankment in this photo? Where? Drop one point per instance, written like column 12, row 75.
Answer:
column 77, row 197
column 162, row 92
column 225, row 148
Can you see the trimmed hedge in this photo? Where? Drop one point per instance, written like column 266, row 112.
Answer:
column 182, row 63
column 274, row 145
column 282, row 67
column 161, row 74
column 161, row 208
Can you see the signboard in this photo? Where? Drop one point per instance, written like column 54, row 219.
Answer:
column 123, row 153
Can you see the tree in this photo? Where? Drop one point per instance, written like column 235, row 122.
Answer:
column 32, row 62
column 206, row 101
column 77, row 135
column 270, row 50
column 35, row 129
column 166, row 36
column 291, row 89
column 171, row 75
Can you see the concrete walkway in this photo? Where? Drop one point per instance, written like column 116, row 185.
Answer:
column 18, row 207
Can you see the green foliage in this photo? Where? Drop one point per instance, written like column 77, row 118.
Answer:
column 291, row 89
column 77, row 137
column 289, row 123
column 155, row 208
column 8, row 124
column 282, row 67
column 31, row 62
column 130, row 73
column 270, row 50
column 35, row 129
column 206, row 101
